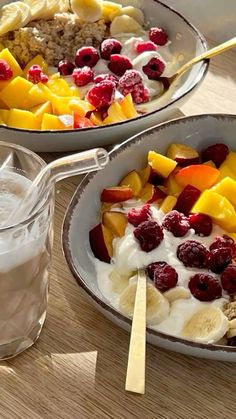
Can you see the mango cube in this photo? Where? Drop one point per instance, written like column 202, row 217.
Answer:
column 40, row 110
column 8, row 57
column 115, row 113
column 59, row 86
column 4, row 115
column 127, row 107
column 227, row 188
column 96, row 119
column 173, row 187
column 15, row 94
column 228, row 167
column 53, row 122
column 38, row 94
column 37, row 60
column 162, row 165
column 23, row 119
column 225, row 172
column 168, row 204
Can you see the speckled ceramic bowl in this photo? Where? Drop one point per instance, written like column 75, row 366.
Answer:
column 83, row 213
column 186, row 40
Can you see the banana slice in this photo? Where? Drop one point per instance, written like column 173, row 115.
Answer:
column 125, row 24
column 131, row 11
column 64, row 6
column 108, row 9
column 37, row 8
column 52, row 7
column 177, row 293
column 207, row 325
column 157, row 305
column 87, row 10
column 231, row 333
column 14, row 16
column 232, row 324
column 119, row 282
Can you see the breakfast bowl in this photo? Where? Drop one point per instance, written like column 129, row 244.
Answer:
column 84, row 213
column 35, row 113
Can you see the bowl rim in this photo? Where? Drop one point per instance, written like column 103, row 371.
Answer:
column 66, row 228
column 198, row 79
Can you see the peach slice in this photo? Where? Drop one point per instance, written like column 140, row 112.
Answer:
column 162, row 165
column 100, row 238
column 127, row 106
column 115, row 221
column 187, row 199
column 183, row 154
column 198, row 175
column 148, row 175
column 173, row 187
column 106, row 206
column 168, row 204
column 116, row 194
column 147, row 192
column 133, row 181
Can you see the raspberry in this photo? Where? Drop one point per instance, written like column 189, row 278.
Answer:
column 201, row 223
column 102, row 77
column 82, row 76
column 154, row 68
column 149, row 234
column 205, row 287
column 142, row 46
column 6, row 72
column 101, row 94
column 109, row 47
column 192, row 254
column 216, row 152
column 65, row 67
column 129, row 79
column 176, row 223
column 131, row 82
column 218, row 259
column 137, row 215
column 224, row 241
column 86, row 56
column 228, row 279
column 35, row 75
column 158, row 36
column 119, row 64
column 163, row 275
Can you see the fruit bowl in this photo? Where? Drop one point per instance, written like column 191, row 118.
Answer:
column 186, row 42
column 196, row 131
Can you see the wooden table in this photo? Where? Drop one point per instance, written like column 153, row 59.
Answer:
column 77, row 367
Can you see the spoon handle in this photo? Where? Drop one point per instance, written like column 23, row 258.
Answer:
column 207, row 54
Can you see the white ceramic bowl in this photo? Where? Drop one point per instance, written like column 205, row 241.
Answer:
column 186, row 40
column 83, row 213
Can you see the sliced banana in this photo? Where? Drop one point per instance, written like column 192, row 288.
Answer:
column 119, row 282
column 157, row 305
column 177, row 293
column 64, row 6
column 207, row 325
column 87, row 10
column 131, row 11
column 37, row 8
column 232, row 324
column 231, row 333
column 14, row 16
column 52, row 7
column 108, row 9
column 125, row 24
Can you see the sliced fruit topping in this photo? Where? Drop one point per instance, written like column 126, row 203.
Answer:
column 218, row 259
column 118, row 64
column 133, row 181
column 127, row 107
column 115, row 221
column 132, row 82
column 102, row 94
column 187, row 199
column 137, row 215
column 65, row 67
column 109, row 47
column 116, row 194
column 87, row 10
column 183, row 154
column 216, row 152
column 154, row 68
column 199, row 175
column 192, row 254
column 222, row 242
column 176, row 223
column 201, row 223
column 125, row 24
column 227, row 188
column 149, row 235
column 158, row 36
column 37, row 8
column 228, row 279
column 130, row 11
column 229, row 165
column 177, row 293
column 108, row 8
column 158, row 195
column 6, row 72
column 163, row 275
column 168, row 204
column 10, row 17
column 100, row 238
column 173, row 187
column 86, row 56
column 82, row 76
column 205, row 287
column 119, row 282
column 147, row 193
column 81, row 121
column 162, row 165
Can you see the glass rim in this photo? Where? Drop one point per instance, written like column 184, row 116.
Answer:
column 42, row 162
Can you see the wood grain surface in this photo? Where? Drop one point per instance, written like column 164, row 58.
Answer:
column 77, row 367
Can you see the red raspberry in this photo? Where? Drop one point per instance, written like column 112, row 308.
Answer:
column 109, row 47
column 176, row 223
column 205, row 287
column 101, row 94
column 6, row 72
column 216, row 152
column 136, row 216
column 102, row 77
column 163, row 275
column 201, row 223
column 131, row 82
column 158, row 36
column 86, row 56
column 224, row 241
column 154, row 68
column 65, row 67
column 119, row 64
column 228, row 279
column 218, row 259
column 35, row 75
column 192, row 254
column 82, row 76
column 142, row 46
column 149, row 234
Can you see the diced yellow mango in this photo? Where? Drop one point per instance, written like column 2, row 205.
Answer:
column 1, row 122
column 40, row 110
column 68, row 105
column 59, row 86
column 38, row 94
column 8, row 57
column 168, row 204
column 96, row 119
column 53, row 122
column 226, row 188
column 23, row 119
column 225, row 172
column 74, row 91
column 162, row 165
column 4, row 114
column 127, row 107
column 15, row 94
column 38, row 60
column 115, row 113
column 228, row 167
column 218, row 208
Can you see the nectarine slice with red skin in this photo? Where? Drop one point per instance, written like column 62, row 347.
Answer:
column 158, row 195
column 106, row 206
column 147, row 192
column 115, row 221
column 100, row 238
column 198, row 175
column 133, row 181
column 187, row 199
column 116, row 194
column 148, row 175
column 183, row 154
